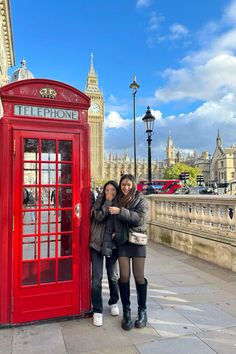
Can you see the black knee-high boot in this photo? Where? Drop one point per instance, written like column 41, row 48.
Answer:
column 141, row 319
column 125, row 299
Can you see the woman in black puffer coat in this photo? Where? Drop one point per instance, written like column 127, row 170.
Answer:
column 130, row 213
column 100, row 216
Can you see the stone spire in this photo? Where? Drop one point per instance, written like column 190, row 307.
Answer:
column 170, row 151
column 218, row 139
column 170, row 147
column 91, row 71
column 92, row 79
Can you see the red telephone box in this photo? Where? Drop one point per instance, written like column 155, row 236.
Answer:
column 44, row 202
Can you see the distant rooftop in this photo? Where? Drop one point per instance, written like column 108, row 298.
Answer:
column 22, row 73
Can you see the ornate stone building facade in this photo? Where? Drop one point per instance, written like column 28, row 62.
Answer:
column 96, row 123
column 219, row 170
column 116, row 166
column 6, row 48
column 223, row 166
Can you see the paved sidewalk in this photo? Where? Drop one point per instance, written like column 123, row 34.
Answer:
column 191, row 310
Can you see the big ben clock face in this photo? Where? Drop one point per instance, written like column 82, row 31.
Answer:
column 94, row 108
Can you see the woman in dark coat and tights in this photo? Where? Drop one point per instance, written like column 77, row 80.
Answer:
column 130, row 213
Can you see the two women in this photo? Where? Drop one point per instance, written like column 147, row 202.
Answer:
column 128, row 212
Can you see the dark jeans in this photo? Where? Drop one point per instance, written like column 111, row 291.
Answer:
column 97, row 274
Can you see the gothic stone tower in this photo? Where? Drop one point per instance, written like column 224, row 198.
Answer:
column 170, row 151
column 96, row 123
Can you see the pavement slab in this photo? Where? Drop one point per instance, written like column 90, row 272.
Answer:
column 208, row 317
column 6, row 337
column 169, row 323
column 182, row 345
column 82, row 337
column 38, row 339
column 228, row 306
column 223, row 341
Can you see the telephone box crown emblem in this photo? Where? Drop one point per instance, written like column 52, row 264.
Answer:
column 47, row 92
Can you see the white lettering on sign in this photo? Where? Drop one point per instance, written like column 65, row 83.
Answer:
column 45, row 112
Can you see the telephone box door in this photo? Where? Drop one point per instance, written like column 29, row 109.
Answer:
column 46, row 228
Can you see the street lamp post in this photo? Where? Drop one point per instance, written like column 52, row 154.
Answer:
column 134, row 87
column 149, row 119
column 209, row 159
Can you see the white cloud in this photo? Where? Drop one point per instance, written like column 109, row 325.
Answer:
column 206, row 74
column 155, row 21
column 114, row 104
column 178, row 31
column 202, row 82
column 112, row 98
column 114, row 120
column 121, row 108
column 143, row 3
column 156, row 113
column 194, row 130
column 230, row 13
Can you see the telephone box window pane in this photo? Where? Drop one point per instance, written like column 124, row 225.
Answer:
column 30, row 248
column 48, row 197
column 31, row 149
column 65, row 269
column 48, row 222
column 65, row 197
column 65, row 245
column 48, row 246
column 31, row 173
column 65, row 173
column 47, row 271
column 48, row 150
column 30, row 198
column 48, row 173
column 65, row 150
column 29, row 273
column 30, row 222
column 65, row 220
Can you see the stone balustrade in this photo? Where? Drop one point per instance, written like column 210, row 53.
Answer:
column 201, row 225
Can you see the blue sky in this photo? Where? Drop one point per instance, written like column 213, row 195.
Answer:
column 182, row 52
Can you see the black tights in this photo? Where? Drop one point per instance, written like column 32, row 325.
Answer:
column 137, row 267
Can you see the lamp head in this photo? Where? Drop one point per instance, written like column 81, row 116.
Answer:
column 149, row 119
column 134, row 85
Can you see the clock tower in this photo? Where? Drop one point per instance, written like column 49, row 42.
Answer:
column 96, row 123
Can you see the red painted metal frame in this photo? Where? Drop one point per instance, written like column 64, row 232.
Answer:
column 27, row 93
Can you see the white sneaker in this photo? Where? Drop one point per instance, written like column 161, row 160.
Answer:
column 115, row 310
column 97, row 319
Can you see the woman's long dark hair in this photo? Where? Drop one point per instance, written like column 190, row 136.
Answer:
column 125, row 200
column 115, row 185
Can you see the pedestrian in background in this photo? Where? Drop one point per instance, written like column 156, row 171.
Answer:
column 92, row 199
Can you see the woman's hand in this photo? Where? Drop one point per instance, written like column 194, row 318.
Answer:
column 114, row 210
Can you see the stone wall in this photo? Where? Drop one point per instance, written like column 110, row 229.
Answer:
column 201, row 226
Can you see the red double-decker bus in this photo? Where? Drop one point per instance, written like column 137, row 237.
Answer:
column 160, row 186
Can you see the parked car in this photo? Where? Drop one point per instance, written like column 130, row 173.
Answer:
column 195, row 190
